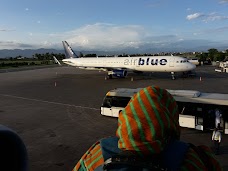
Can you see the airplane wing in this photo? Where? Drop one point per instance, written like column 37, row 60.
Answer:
column 104, row 68
column 56, row 60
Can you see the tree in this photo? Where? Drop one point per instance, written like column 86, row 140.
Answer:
column 91, row 55
column 80, row 54
column 226, row 51
column 219, row 56
column 202, row 57
column 211, row 53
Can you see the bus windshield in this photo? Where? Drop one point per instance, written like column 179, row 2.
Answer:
column 115, row 101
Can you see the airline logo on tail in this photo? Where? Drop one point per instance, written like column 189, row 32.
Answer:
column 71, row 51
column 68, row 50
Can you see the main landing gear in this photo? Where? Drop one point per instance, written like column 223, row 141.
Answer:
column 109, row 76
column 173, row 77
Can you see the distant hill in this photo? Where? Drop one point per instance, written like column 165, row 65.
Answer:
column 174, row 47
column 7, row 53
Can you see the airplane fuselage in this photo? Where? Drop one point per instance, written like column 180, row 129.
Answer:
column 140, row 63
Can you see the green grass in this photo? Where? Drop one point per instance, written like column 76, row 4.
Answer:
column 23, row 63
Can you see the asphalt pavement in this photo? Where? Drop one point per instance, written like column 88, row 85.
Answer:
column 56, row 111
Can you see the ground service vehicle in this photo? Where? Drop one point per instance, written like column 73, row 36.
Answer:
column 196, row 108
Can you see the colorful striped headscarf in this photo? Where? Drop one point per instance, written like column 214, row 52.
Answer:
column 149, row 122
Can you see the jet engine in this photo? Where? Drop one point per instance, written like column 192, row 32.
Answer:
column 119, row 73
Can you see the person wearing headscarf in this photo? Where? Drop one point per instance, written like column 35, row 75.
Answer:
column 148, row 129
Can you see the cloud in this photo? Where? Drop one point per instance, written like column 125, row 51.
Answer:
column 6, row 30
column 223, row 1
column 14, row 45
column 222, row 29
column 194, row 16
column 111, row 37
column 219, row 30
column 105, row 35
column 219, row 33
column 26, row 9
column 214, row 17
column 206, row 17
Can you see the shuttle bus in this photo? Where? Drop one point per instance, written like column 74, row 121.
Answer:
column 194, row 61
column 197, row 109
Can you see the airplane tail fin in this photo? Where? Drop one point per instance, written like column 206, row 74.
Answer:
column 69, row 51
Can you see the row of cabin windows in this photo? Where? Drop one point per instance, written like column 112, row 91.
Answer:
column 182, row 61
column 198, row 109
column 102, row 62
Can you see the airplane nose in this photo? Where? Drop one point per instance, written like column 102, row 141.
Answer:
column 192, row 66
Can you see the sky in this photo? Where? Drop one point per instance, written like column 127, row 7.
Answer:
column 114, row 24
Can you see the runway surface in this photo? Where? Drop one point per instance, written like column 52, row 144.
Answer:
column 56, row 111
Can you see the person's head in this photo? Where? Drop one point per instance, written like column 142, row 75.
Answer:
column 149, row 121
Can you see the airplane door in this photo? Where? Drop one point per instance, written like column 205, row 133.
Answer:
column 199, row 118
column 171, row 62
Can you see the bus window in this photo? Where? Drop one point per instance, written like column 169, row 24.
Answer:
column 120, row 101
column 115, row 101
column 187, row 108
column 107, row 102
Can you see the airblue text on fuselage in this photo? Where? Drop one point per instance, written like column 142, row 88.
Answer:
column 145, row 61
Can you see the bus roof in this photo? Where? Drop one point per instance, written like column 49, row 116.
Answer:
column 186, row 93
column 200, row 97
column 191, row 96
column 123, row 92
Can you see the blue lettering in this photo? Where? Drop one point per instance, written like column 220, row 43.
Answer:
column 154, row 62
column 141, row 61
column 147, row 61
column 163, row 62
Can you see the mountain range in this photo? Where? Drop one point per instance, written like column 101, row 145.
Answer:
column 29, row 53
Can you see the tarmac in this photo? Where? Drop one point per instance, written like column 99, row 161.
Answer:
column 56, row 111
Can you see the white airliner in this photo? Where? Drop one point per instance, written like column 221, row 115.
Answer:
column 119, row 66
